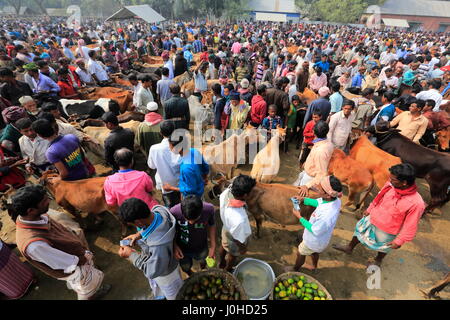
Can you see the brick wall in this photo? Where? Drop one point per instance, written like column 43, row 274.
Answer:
column 428, row 23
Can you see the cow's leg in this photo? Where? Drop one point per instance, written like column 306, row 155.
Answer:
column 438, row 190
column 123, row 226
column 69, row 208
column 258, row 215
column 351, row 195
column 431, row 293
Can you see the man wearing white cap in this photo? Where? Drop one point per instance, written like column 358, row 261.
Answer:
column 148, row 132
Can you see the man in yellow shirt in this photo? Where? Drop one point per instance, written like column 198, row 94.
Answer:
column 412, row 124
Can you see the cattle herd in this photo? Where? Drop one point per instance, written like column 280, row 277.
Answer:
column 225, row 72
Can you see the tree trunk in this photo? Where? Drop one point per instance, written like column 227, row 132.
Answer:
column 16, row 4
column 41, row 6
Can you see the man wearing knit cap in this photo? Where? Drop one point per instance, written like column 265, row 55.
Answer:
column 244, row 91
column 322, row 105
column 168, row 63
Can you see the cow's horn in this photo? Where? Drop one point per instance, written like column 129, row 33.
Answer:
column 217, row 174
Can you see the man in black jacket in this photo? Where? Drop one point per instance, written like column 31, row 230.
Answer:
column 176, row 108
column 117, row 139
column 12, row 89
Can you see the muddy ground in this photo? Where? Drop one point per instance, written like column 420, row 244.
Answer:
column 416, row 265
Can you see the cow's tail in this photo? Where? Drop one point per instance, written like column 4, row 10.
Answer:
column 369, row 190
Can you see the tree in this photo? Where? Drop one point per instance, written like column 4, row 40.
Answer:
column 307, row 9
column 235, row 9
column 344, row 11
column 16, row 4
column 40, row 4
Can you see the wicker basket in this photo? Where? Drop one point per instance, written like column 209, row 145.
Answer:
column 288, row 275
column 227, row 278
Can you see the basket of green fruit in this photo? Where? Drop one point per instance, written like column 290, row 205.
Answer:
column 212, row 284
column 298, row 286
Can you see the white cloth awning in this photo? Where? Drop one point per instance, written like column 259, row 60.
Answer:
column 402, row 23
column 144, row 12
column 275, row 17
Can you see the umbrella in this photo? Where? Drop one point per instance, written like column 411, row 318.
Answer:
column 446, row 68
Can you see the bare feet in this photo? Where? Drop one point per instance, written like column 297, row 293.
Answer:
column 342, row 248
column 311, row 268
column 103, row 290
column 375, row 262
column 290, row 269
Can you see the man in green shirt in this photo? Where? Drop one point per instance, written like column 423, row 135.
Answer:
column 319, row 228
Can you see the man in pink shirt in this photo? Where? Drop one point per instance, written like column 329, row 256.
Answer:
column 128, row 183
column 236, row 47
column 392, row 217
column 317, row 80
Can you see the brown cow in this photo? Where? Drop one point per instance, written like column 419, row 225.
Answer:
column 85, row 195
column 443, row 139
column 353, row 174
column 376, row 160
column 121, row 80
column 123, row 97
column 307, row 96
column 271, row 200
column 153, row 60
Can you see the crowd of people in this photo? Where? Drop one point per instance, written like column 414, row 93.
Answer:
column 326, row 84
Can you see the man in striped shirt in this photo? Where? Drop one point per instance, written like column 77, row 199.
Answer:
column 197, row 44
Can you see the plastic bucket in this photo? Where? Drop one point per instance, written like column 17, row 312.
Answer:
column 268, row 269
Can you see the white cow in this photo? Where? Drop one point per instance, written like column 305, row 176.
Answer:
column 267, row 162
column 201, row 114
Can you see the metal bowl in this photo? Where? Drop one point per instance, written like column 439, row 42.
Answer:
column 249, row 263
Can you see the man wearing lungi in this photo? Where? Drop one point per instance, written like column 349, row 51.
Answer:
column 393, row 216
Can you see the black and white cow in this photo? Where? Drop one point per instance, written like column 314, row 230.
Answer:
column 89, row 109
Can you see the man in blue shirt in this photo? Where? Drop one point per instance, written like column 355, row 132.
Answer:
column 188, row 55
column 44, row 84
column 197, row 44
column 358, row 78
column 193, row 168
column 167, row 44
column 324, row 64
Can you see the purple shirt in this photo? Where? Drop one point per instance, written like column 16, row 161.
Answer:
column 193, row 238
column 46, row 84
column 66, row 149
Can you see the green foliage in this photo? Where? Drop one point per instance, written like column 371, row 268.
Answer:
column 177, row 9
column 343, row 11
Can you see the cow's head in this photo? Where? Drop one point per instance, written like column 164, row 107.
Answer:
column 220, row 183
column 381, row 127
column 49, row 179
column 281, row 132
column 443, row 138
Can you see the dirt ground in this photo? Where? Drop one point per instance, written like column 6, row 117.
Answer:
column 415, row 266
